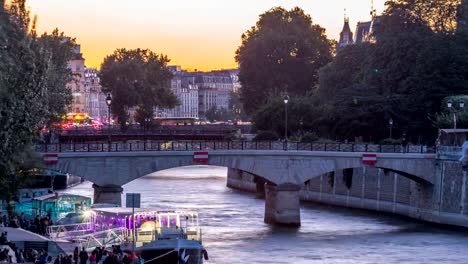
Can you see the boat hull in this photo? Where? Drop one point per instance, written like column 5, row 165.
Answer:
column 172, row 251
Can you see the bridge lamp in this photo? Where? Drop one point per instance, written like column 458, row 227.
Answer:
column 390, row 124
column 109, row 102
column 109, row 99
column 286, row 100
column 451, row 107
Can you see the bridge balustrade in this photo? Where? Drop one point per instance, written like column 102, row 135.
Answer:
column 228, row 145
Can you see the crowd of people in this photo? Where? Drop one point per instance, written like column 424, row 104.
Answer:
column 9, row 253
column 37, row 224
column 100, row 255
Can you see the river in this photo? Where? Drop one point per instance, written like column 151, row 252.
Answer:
column 234, row 232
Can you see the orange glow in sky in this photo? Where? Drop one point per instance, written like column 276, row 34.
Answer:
column 196, row 34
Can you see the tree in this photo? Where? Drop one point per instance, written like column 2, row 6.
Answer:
column 440, row 16
column 137, row 77
column 282, row 53
column 33, row 74
column 415, row 62
column 302, row 115
column 222, row 114
column 235, row 105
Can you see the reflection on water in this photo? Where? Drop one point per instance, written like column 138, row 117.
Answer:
column 234, row 232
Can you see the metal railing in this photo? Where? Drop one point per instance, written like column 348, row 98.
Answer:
column 106, row 238
column 69, row 231
column 230, row 145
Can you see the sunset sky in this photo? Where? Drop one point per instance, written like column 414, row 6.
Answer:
column 202, row 34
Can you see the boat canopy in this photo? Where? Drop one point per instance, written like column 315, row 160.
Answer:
column 57, row 205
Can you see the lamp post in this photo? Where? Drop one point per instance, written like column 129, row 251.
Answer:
column 108, row 102
column 390, row 124
column 286, row 100
column 451, row 107
column 146, row 125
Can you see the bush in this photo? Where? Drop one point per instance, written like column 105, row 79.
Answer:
column 309, row 137
column 266, row 136
column 390, row 141
column 326, row 140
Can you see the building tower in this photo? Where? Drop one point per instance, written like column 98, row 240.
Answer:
column 346, row 36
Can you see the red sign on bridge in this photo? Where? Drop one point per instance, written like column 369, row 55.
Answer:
column 200, row 156
column 369, row 159
column 50, row 158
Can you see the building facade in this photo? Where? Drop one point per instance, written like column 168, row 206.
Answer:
column 95, row 99
column 214, row 90
column 184, row 87
column 76, row 86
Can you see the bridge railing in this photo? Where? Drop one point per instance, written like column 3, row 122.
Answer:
column 229, row 145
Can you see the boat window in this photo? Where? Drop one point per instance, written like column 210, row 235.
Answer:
column 173, row 222
column 164, row 221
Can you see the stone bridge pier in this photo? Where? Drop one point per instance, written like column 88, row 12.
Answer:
column 282, row 201
column 108, row 194
column 282, row 204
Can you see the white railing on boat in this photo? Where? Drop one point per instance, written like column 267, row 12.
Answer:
column 71, row 231
column 104, row 238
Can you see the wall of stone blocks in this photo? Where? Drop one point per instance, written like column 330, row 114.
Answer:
column 376, row 189
column 451, row 182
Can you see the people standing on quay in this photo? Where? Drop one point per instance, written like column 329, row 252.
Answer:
column 19, row 256
column 83, row 256
column 92, row 258
column 76, row 253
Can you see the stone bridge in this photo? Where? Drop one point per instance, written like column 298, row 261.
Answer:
column 284, row 172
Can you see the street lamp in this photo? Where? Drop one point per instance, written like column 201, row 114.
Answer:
column 390, row 124
column 286, row 100
column 108, row 102
column 146, row 125
column 461, row 105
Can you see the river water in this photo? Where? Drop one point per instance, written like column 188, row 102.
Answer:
column 234, row 232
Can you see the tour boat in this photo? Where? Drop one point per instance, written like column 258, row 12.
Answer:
column 159, row 236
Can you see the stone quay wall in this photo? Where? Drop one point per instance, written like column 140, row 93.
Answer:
column 375, row 189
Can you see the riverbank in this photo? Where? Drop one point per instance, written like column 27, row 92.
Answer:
column 370, row 189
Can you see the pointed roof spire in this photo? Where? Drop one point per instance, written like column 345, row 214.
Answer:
column 346, row 36
column 373, row 11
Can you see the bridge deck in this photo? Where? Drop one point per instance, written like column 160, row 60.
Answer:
column 229, row 145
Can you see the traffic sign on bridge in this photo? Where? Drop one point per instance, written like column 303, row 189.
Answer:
column 369, row 159
column 50, row 158
column 200, row 156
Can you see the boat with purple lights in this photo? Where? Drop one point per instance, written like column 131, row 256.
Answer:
column 159, row 236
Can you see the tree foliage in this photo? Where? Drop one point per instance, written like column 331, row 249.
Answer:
column 33, row 77
column 222, row 114
column 137, row 77
column 303, row 114
column 438, row 15
column 415, row 62
column 282, row 53
column 444, row 119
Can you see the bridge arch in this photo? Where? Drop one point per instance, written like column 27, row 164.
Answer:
column 278, row 167
column 286, row 171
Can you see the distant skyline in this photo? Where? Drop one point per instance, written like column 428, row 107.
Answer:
column 201, row 34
